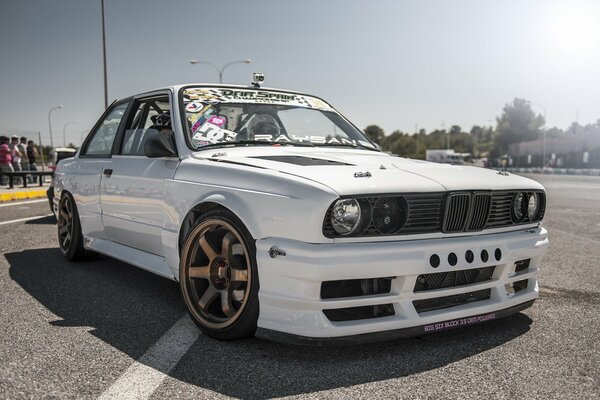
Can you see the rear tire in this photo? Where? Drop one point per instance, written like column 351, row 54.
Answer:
column 218, row 276
column 70, row 239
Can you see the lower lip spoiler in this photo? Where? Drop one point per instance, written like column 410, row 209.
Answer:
column 290, row 338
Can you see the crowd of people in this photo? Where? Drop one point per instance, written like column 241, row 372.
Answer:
column 17, row 154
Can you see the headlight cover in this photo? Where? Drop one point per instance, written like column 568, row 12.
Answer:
column 519, row 207
column 533, row 206
column 346, row 216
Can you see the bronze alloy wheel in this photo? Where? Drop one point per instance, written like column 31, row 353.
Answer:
column 65, row 224
column 216, row 274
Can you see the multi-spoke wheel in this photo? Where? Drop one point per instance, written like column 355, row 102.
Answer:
column 218, row 276
column 70, row 238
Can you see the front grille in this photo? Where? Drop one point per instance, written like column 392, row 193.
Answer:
column 420, row 213
column 457, row 211
column 442, row 280
column 479, row 211
column 500, row 209
column 439, row 303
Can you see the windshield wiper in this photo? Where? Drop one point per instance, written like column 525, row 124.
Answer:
column 254, row 142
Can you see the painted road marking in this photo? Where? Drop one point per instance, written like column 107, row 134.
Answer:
column 14, row 221
column 24, row 202
column 146, row 374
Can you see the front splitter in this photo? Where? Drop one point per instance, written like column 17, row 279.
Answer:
column 382, row 336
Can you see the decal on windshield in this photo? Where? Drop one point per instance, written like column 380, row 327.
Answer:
column 221, row 95
column 194, row 107
column 210, row 133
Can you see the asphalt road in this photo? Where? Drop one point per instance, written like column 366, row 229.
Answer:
column 71, row 330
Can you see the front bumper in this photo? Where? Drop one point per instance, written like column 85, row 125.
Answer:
column 292, row 307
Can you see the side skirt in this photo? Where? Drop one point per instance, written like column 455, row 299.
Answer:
column 150, row 262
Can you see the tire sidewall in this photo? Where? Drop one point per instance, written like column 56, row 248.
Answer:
column 245, row 325
column 76, row 234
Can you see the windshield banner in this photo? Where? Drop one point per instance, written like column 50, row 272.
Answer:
column 222, row 95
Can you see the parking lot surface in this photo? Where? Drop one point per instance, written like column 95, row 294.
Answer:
column 100, row 328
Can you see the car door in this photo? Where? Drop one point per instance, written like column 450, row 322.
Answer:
column 84, row 176
column 134, row 209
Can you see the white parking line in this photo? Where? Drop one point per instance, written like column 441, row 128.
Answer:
column 146, row 374
column 23, row 202
column 24, row 219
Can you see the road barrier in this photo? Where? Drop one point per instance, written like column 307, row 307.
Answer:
column 11, row 176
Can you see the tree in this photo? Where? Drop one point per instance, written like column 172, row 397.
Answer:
column 518, row 123
column 375, row 133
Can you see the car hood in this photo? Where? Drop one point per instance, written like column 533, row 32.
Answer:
column 349, row 171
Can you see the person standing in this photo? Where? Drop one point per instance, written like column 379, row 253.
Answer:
column 22, row 146
column 5, row 159
column 16, row 157
column 32, row 154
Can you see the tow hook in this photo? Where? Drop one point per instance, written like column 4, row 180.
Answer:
column 275, row 251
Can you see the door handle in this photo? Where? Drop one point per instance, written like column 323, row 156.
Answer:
column 108, row 172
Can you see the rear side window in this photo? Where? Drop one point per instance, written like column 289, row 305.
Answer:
column 100, row 145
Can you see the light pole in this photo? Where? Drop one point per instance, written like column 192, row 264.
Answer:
column 220, row 70
column 544, row 141
column 65, row 132
column 50, row 123
column 104, row 56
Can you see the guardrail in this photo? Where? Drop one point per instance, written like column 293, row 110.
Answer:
column 555, row 171
column 11, row 176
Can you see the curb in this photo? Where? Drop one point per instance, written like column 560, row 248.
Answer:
column 31, row 194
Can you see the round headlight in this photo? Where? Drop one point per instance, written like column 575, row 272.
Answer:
column 345, row 216
column 533, row 206
column 519, row 207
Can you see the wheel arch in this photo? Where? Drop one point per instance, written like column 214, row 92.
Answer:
column 229, row 203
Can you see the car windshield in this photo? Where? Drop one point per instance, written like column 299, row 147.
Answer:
column 220, row 116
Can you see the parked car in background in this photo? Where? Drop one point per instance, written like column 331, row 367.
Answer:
column 280, row 219
column 57, row 154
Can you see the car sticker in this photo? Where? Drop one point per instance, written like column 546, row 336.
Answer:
column 213, row 134
column 221, row 95
column 194, row 107
column 218, row 121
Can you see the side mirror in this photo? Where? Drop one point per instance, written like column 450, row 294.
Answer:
column 160, row 145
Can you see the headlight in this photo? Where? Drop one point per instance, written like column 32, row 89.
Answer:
column 345, row 216
column 519, row 207
column 533, row 206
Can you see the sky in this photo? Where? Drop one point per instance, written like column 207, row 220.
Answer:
column 398, row 64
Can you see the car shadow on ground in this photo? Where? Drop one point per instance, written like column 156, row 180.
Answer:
column 47, row 220
column 131, row 309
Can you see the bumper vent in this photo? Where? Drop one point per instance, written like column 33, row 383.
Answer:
column 442, row 280
column 358, row 313
column 439, row 303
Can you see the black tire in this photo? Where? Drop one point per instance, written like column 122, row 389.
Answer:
column 70, row 239
column 218, row 260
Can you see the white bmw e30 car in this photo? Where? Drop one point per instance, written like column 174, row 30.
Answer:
column 280, row 219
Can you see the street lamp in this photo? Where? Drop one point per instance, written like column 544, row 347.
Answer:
column 50, row 123
column 544, row 141
column 65, row 132
column 220, row 70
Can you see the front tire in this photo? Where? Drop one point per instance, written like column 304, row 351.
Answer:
column 70, row 239
column 218, row 276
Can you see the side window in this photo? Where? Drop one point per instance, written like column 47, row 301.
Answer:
column 102, row 140
column 149, row 116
